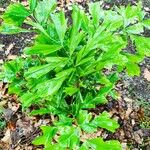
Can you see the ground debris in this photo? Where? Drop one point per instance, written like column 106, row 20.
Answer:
column 147, row 74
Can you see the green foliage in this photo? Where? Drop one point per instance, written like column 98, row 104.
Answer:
column 11, row 29
column 2, row 121
column 63, row 71
column 99, row 144
column 2, row 124
column 69, row 137
column 15, row 14
column 43, row 10
column 32, row 4
column 90, row 125
column 46, row 138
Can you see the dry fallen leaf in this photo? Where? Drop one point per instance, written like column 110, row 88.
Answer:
column 1, row 47
column 2, row 103
column 9, row 48
column 2, row 9
column 137, row 138
column 7, row 137
column 147, row 74
column 86, row 136
column 124, row 146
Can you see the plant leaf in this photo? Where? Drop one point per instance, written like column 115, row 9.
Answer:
column 41, row 111
column 99, row 144
column 11, row 69
column 52, row 86
column 43, row 10
column 94, row 9
column 39, row 28
column 101, row 96
column 33, row 4
column 135, row 29
column 43, row 49
column 38, row 71
column 15, row 87
column 105, row 122
column 133, row 69
column 45, row 139
column 84, row 120
column 142, row 45
column 71, row 90
column 69, row 138
column 11, row 29
column 27, row 99
column 75, row 36
column 60, row 24
column 15, row 14
column 146, row 23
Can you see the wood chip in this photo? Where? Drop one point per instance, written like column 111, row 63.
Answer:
column 147, row 74
column 137, row 138
column 11, row 57
column 7, row 137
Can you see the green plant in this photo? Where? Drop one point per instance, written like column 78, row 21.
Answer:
column 2, row 121
column 63, row 73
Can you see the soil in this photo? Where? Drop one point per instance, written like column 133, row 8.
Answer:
column 19, row 41
column 127, row 110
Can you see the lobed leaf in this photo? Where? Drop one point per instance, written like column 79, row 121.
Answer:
column 15, row 14
column 45, row 139
column 99, row 144
column 105, row 122
column 69, row 138
column 133, row 69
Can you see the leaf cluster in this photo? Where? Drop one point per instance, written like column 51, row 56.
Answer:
column 63, row 73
